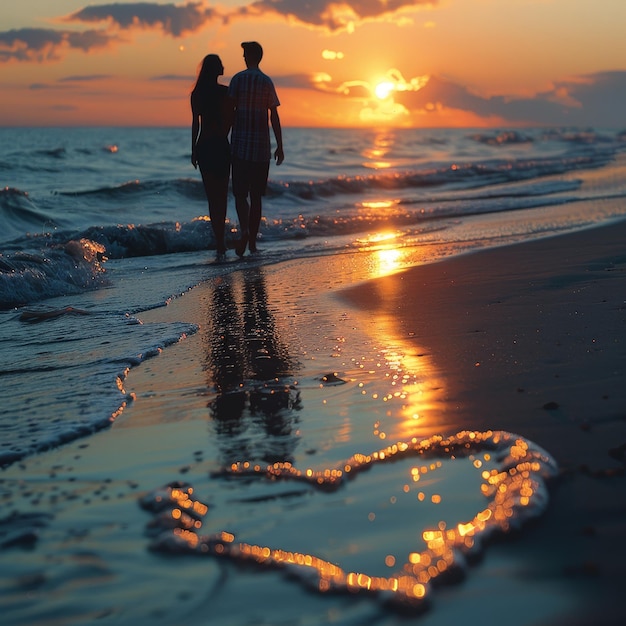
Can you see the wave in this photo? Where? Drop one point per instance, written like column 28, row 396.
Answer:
column 586, row 137
column 93, row 362
column 502, row 138
column 136, row 240
column 18, row 214
column 569, row 136
column 71, row 268
column 54, row 153
column 131, row 240
column 455, row 175
column 62, row 152
column 185, row 187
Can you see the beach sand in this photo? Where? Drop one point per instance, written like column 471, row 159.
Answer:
column 527, row 338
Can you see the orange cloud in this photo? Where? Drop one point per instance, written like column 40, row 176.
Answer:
column 375, row 99
column 383, row 89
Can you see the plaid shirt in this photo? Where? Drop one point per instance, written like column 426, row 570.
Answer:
column 254, row 94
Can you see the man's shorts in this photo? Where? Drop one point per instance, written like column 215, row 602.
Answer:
column 249, row 177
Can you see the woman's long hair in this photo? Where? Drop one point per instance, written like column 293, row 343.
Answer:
column 210, row 69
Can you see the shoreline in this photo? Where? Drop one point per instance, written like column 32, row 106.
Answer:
column 525, row 338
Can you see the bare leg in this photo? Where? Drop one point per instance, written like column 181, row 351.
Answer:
column 243, row 213
column 216, row 189
column 255, row 221
column 218, row 219
column 218, row 202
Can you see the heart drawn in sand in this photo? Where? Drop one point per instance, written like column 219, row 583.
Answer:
column 513, row 489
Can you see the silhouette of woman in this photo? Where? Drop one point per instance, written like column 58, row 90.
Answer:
column 212, row 115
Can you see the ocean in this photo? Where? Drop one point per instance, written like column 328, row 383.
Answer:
column 113, row 222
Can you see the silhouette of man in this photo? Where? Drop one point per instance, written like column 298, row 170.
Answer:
column 254, row 96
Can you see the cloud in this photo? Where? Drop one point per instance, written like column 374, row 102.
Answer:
column 332, row 55
column 180, row 19
column 602, row 93
column 39, row 86
column 173, row 77
column 588, row 100
column 84, row 78
column 174, row 20
column 44, row 44
column 363, row 90
column 299, row 81
column 332, row 15
column 69, row 82
column 321, row 81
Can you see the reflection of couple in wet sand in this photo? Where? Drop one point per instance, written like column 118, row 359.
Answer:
column 249, row 364
column 243, row 106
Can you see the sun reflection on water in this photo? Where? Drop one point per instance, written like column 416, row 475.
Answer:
column 407, row 380
column 375, row 156
column 386, row 256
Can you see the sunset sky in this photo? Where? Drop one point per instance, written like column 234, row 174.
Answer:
column 411, row 63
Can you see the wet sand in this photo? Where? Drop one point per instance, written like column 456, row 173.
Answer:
column 527, row 339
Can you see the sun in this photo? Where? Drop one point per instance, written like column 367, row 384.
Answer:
column 383, row 89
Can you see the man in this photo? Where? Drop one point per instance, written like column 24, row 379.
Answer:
column 253, row 95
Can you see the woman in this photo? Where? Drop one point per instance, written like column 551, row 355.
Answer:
column 212, row 116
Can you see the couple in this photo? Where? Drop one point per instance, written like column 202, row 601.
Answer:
column 244, row 106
